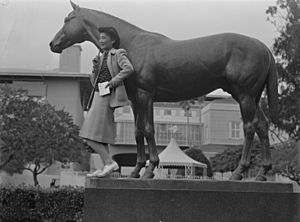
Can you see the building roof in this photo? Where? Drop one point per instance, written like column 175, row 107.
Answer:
column 13, row 72
column 224, row 104
column 175, row 105
column 228, row 100
column 172, row 155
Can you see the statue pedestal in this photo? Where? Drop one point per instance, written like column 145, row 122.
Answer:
column 130, row 200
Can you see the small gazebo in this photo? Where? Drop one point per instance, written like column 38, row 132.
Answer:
column 172, row 158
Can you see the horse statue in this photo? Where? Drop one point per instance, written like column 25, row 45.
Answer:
column 168, row 70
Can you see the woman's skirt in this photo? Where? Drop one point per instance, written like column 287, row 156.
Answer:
column 99, row 122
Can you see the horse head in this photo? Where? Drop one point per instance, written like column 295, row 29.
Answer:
column 74, row 30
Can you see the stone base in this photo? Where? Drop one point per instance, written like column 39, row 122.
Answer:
column 129, row 200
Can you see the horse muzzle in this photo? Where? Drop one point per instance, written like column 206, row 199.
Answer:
column 55, row 47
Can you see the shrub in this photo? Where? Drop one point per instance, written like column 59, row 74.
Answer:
column 35, row 204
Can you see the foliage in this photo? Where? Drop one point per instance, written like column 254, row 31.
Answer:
column 197, row 154
column 285, row 156
column 8, row 95
column 27, row 203
column 186, row 104
column 226, row 161
column 229, row 159
column 286, row 18
column 36, row 134
column 286, row 160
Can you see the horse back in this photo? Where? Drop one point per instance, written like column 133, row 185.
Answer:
column 184, row 69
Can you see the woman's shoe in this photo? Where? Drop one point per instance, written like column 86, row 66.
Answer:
column 108, row 169
column 95, row 173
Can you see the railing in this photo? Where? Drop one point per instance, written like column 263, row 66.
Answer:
column 116, row 175
column 185, row 135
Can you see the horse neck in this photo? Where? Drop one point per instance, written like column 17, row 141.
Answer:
column 127, row 31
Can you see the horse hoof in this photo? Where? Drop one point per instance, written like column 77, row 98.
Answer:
column 237, row 176
column 134, row 175
column 147, row 175
column 260, row 178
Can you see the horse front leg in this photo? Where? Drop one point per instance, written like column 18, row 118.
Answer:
column 139, row 138
column 145, row 120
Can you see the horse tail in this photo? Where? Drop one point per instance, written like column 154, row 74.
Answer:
column 272, row 90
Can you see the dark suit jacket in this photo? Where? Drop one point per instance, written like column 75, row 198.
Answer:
column 120, row 68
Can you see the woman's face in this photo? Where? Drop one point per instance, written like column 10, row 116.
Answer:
column 106, row 43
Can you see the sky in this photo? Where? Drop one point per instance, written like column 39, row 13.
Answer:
column 27, row 26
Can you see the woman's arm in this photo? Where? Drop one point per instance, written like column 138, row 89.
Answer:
column 125, row 66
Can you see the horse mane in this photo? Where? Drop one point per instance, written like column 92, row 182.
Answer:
column 127, row 23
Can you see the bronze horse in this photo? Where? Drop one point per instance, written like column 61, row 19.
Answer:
column 169, row 70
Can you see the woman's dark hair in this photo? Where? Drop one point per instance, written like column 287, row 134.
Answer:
column 113, row 34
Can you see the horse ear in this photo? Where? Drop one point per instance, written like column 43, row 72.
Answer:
column 74, row 6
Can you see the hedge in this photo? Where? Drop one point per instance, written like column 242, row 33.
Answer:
column 35, row 204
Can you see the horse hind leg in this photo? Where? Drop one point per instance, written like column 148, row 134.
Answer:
column 141, row 155
column 262, row 132
column 146, row 101
column 248, row 111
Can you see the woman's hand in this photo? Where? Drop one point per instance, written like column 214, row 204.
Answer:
column 113, row 83
column 96, row 60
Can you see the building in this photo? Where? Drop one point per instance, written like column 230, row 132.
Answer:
column 61, row 87
column 170, row 120
column 222, row 125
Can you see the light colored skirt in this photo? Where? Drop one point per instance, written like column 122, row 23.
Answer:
column 99, row 124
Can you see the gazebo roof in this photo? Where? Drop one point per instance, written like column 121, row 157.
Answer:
column 172, row 155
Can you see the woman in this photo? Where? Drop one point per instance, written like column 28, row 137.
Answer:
column 98, row 128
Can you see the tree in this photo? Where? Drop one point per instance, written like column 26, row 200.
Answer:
column 286, row 161
column 35, row 134
column 229, row 159
column 226, row 161
column 8, row 95
column 286, row 18
column 197, row 154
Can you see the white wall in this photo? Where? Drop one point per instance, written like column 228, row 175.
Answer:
column 66, row 94
column 216, row 118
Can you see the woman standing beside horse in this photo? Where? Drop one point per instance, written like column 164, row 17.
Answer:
column 98, row 128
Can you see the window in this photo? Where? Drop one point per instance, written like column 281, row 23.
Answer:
column 125, row 133
column 235, row 130
column 129, row 132
column 164, row 132
column 157, row 112
column 206, row 135
column 194, row 113
column 188, row 113
column 167, row 112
